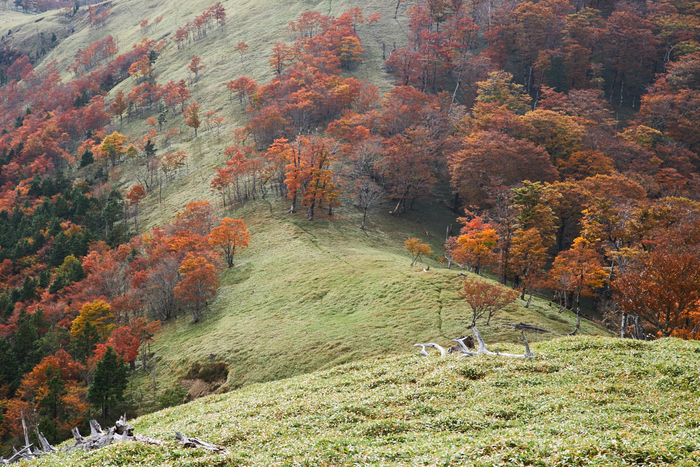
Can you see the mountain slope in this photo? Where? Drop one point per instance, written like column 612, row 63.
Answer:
column 307, row 295
column 304, row 295
column 583, row 401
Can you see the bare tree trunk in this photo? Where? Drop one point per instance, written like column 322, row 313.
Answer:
column 622, row 87
column 310, row 212
column 638, row 328
column 454, row 94
column 623, row 324
column 436, row 346
column 578, row 324
column 24, row 427
column 482, row 347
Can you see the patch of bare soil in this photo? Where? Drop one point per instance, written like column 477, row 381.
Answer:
column 197, row 388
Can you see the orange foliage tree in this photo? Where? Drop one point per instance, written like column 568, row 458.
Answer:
column 198, row 285
column 491, row 159
column 197, row 218
column 308, row 171
column 141, row 69
column 475, row 245
column 282, row 56
column 191, row 114
column 663, row 287
column 528, row 259
column 190, row 232
column 320, row 189
column 52, row 397
column 195, row 67
column 228, row 236
column 409, row 164
column 119, row 105
column 350, row 51
column 135, row 196
column 284, row 153
column 172, row 162
column 145, row 331
column 124, row 343
column 577, row 271
column 417, row 249
column 484, row 297
column 242, row 49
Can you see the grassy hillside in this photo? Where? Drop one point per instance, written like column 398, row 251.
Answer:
column 320, row 301
column 259, row 23
column 305, row 295
column 583, row 401
column 308, row 295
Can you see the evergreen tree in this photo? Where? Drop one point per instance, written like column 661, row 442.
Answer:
column 48, row 187
column 26, row 341
column 149, row 149
column 78, row 244
column 44, row 279
column 76, row 272
column 29, row 289
column 56, row 389
column 58, row 283
column 62, row 183
column 35, row 186
column 9, row 366
column 82, row 203
column 113, row 210
column 59, row 250
column 84, row 342
column 54, row 226
column 87, row 158
column 6, row 306
column 109, row 382
column 62, row 208
column 55, row 339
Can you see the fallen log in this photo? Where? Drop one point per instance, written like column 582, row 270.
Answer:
column 198, row 443
column 99, row 438
column 46, row 447
column 121, row 432
column 27, row 453
column 24, row 453
column 482, row 350
column 423, row 351
column 528, row 327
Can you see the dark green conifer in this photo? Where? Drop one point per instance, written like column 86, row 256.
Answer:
column 108, row 383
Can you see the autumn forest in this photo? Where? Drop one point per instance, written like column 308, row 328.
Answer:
column 562, row 136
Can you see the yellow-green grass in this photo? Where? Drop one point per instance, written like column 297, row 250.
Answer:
column 9, row 18
column 313, row 295
column 304, row 295
column 309, row 295
column 585, row 401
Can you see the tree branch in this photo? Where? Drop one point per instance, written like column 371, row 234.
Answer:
column 198, row 443
column 482, row 350
column 423, row 351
